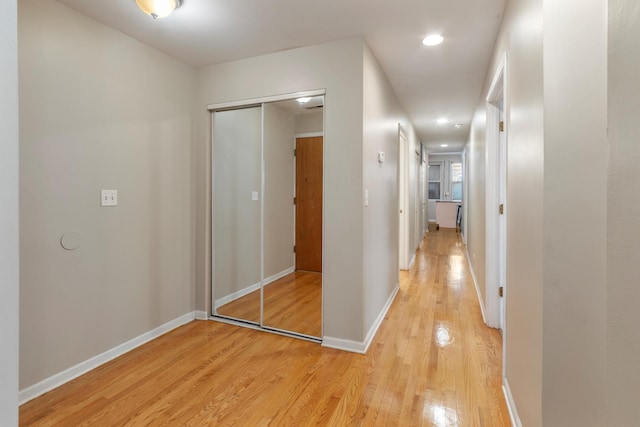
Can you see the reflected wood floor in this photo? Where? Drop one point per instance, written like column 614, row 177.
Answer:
column 291, row 303
column 294, row 303
column 432, row 363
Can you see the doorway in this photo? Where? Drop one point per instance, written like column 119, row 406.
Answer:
column 403, row 212
column 496, row 200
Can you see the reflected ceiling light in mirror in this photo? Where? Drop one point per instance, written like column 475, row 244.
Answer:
column 442, row 121
column 433, row 40
column 304, row 99
column 457, row 125
column 158, row 8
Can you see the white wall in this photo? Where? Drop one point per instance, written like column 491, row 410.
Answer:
column 557, row 209
column 475, row 196
column 99, row 110
column 521, row 37
column 310, row 122
column 9, row 240
column 623, row 204
column 279, row 176
column 382, row 113
column 575, row 213
column 337, row 68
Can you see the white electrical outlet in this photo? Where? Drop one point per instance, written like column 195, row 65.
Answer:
column 109, row 198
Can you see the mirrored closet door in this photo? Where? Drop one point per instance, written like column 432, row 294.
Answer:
column 236, row 212
column 267, row 174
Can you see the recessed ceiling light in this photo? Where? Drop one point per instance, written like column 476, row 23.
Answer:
column 433, row 40
column 442, row 120
column 444, row 145
column 304, row 100
column 457, row 125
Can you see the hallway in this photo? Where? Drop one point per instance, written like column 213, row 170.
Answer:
column 433, row 363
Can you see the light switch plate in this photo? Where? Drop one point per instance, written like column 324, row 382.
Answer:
column 109, row 198
column 254, row 196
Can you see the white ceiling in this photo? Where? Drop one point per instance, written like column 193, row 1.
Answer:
column 431, row 82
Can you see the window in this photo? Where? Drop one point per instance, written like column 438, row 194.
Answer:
column 456, row 181
column 435, row 182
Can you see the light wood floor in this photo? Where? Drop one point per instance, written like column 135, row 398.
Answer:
column 432, row 363
column 291, row 303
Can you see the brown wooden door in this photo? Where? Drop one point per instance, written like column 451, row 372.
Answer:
column 309, row 204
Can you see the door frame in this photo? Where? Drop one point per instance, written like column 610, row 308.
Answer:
column 496, row 179
column 403, row 194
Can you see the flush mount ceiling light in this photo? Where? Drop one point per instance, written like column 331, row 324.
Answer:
column 433, row 40
column 304, row 99
column 444, row 145
column 158, row 8
column 457, row 125
column 442, row 120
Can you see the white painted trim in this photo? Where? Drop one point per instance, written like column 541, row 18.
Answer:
column 260, row 100
column 413, row 260
column 344, row 345
column 376, row 325
column 67, row 375
column 201, row 315
column 448, row 153
column 511, row 404
column 280, row 275
column 475, row 284
column 497, row 90
column 251, row 288
column 237, row 294
column 361, row 347
column 309, row 135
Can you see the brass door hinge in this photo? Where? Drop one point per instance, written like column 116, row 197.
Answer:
column 501, row 126
column 294, row 200
column 501, row 291
column 501, row 208
column 294, row 249
column 294, row 152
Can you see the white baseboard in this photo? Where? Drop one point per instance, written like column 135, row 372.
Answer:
column 201, row 315
column 238, row 294
column 280, row 275
column 361, row 346
column 252, row 288
column 413, row 260
column 346, row 345
column 511, row 404
column 475, row 284
column 65, row 376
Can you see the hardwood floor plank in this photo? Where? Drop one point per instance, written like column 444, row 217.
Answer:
column 432, row 363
